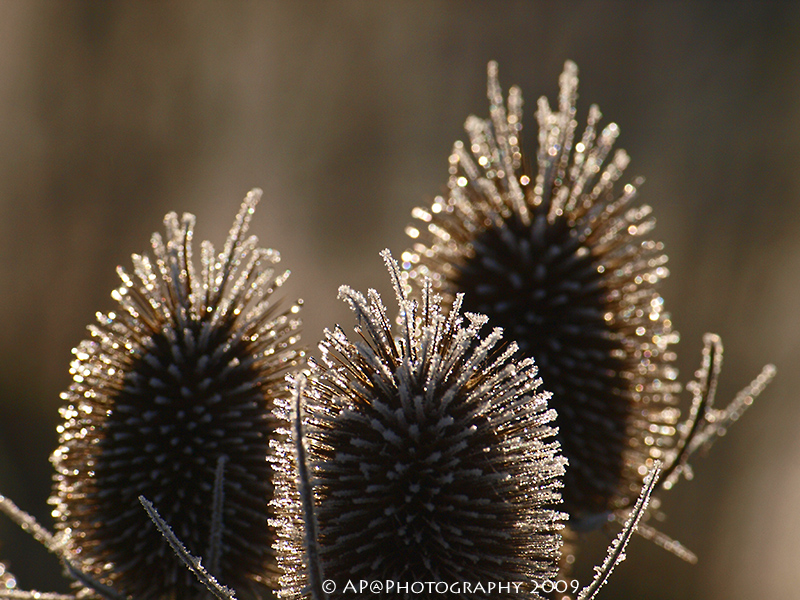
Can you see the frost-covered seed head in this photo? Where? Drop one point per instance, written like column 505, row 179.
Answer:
column 172, row 399
column 558, row 256
column 431, row 451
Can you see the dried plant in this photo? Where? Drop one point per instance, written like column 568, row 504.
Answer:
column 420, row 450
column 558, row 256
column 172, row 399
column 431, row 458
column 432, row 453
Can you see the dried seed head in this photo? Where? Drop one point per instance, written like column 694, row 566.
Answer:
column 431, row 452
column 172, row 399
column 7, row 580
column 559, row 258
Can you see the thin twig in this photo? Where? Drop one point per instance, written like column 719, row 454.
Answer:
column 703, row 402
column 616, row 551
column 661, row 539
column 192, row 563
column 724, row 418
column 30, row 525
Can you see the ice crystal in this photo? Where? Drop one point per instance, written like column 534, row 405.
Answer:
column 559, row 256
column 431, row 452
column 172, row 399
column 7, row 580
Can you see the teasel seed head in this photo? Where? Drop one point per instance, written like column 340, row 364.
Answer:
column 558, row 256
column 431, row 453
column 172, row 399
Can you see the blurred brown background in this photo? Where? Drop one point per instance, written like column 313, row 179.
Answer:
column 112, row 114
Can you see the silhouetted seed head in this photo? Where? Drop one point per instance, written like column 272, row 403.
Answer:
column 432, row 454
column 172, row 399
column 558, row 257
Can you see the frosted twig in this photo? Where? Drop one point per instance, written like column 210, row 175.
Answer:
column 192, row 563
column 661, row 539
column 704, row 391
column 723, row 418
column 307, row 497
column 705, row 423
column 30, row 525
column 616, row 551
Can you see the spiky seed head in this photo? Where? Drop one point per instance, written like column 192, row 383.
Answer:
column 559, row 257
column 172, row 399
column 432, row 453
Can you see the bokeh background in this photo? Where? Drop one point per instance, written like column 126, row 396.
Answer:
column 112, row 114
